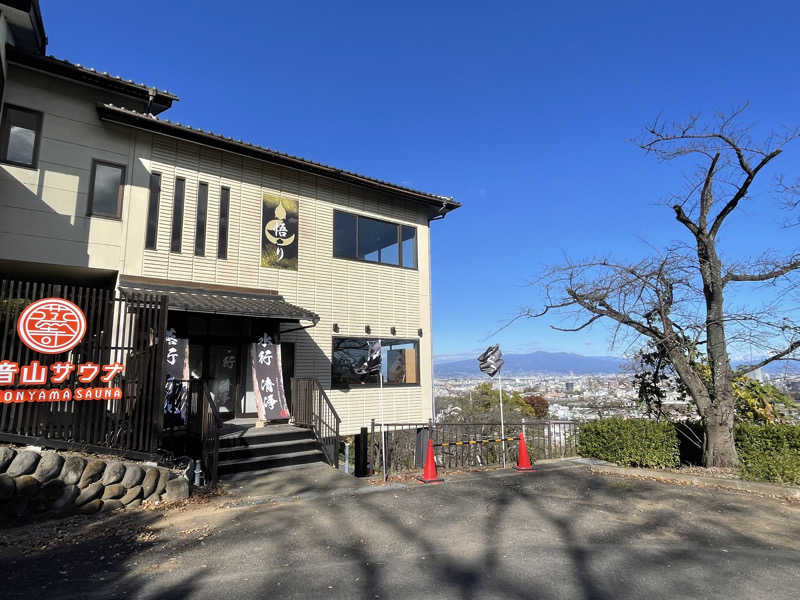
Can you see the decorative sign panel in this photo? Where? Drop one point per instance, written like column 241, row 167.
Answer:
column 279, row 230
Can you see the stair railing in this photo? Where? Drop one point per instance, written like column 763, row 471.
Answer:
column 312, row 408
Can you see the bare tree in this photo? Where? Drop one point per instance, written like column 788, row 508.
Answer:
column 677, row 298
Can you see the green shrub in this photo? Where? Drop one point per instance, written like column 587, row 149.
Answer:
column 634, row 442
column 769, row 452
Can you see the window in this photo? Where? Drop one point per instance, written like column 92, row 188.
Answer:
column 151, row 236
column 105, row 190
column 373, row 240
column 20, row 134
column 224, row 210
column 200, row 228
column 177, row 215
column 399, row 362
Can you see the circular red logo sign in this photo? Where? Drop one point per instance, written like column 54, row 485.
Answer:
column 51, row 325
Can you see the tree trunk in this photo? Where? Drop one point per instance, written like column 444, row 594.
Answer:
column 720, row 449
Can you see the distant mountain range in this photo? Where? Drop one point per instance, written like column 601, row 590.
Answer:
column 535, row 362
column 558, row 363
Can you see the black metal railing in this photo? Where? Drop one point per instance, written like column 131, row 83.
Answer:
column 312, row 408
column 469, row 445
column 204, row 424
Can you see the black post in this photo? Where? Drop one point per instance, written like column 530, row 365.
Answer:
column 361, row 453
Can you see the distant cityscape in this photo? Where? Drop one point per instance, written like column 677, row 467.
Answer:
column 584, row 397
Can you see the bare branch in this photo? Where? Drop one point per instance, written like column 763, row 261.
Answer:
column 586, row 324
column 777, row 356
column 779, row 271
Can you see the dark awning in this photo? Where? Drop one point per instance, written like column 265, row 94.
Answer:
column 223, row 302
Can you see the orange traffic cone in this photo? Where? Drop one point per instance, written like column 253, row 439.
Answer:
column 429, row 474
column 523, row 462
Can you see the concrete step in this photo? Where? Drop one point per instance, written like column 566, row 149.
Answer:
column 263, row 436
column 259, row 463
column 269, row 448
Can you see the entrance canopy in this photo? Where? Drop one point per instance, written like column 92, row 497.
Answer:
column 221, row 300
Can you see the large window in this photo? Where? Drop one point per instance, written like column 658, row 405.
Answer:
column 20, row 135
column 105, row 189
column 399, row 362
column 372, row 240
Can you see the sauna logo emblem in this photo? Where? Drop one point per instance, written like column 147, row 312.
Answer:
column 51, row 325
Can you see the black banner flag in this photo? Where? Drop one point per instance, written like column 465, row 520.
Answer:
column 491, row 360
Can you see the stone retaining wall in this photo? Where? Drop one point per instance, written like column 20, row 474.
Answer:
column 34, row 482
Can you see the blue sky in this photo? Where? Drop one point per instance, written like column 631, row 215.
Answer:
column 523, row 111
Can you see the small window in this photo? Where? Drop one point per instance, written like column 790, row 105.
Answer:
column 377, row 241
column 200, row 229
column 224, row 211
column 177, row 215
column 152, row 211
column 399, row 362
column 21, row 132
column 105, row 190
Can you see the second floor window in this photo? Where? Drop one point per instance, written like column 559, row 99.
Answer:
column 177, row 215
column 224, row 210
column 152, row 211
column 373, row 240
column 20, row 136
column 200, row 228
column 105, row 190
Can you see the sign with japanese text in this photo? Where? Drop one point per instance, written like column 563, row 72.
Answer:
column 279, row 225
column 176, row 388
column 265, row 358
column 55, row 326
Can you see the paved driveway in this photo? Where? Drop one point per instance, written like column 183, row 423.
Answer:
column 558, row 533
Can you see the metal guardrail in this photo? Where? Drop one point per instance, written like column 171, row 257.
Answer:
column 312, row 408
column 470, row 445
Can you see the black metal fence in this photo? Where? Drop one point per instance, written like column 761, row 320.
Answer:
column 469, row 445
column 126, row 330
column 312, row 408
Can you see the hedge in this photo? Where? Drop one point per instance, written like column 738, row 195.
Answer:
column 769, row 452
column 633, row 442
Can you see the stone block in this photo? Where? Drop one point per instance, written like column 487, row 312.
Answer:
column 68, row 495
column 24, row 463
column 135, row 504
column 89, row 493
column 115, row 490
column 109, row 505
column 93, row 472
column 7, row 487
column 52, row 489
column 114, row 473
column 72, row 470
column 49, row 466
column 6, row 456
column 27, row 486
column 150, row 481
column 133, row 476
column 132, row 494
column 177, row 489
column 91, row 507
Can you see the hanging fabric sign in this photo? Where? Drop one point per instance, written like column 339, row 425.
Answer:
column 265, row 360
column 176, row 389
column 279, row 221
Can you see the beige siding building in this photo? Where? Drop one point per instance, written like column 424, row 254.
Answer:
column 97, row 188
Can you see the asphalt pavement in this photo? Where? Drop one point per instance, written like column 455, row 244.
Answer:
column 561, row 532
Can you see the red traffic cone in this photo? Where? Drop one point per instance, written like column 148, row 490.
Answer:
column 523, row 462
column 429, row 474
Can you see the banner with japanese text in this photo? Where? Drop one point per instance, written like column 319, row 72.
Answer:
column 176, row 388
column 279, row 229
column 265, row 360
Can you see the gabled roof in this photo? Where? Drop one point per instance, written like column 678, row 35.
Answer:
column 439, row 205
column 161, row 99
